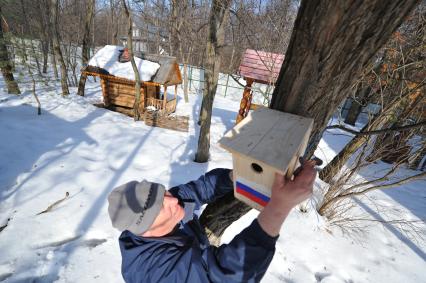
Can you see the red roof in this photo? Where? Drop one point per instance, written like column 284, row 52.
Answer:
column 262, row 67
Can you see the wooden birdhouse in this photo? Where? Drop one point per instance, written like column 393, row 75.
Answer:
column 265, row 142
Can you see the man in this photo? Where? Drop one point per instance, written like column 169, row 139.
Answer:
column 162, row 240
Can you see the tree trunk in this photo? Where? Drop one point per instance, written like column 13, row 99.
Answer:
column 85, row 47
column 174, row 27
column 218, row 18
column 185, row 82
column 44, row 10
column 132, row 60
column 331, row 43
column 45, row 51
column 57, row 47
column 29, row 28
column 5, row 65
column 217, row 217
column 53, row 59
column 114, row 25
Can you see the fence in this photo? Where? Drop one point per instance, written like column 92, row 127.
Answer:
column 227, row 86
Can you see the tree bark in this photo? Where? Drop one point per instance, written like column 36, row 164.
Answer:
column 57, row 47
column 185, row 82
column 218, row 18
column 5, row 65
column 114, row 25
column 45, row 4
column 331, row 43
column 85, row 46
column 217, row 217
column 132, row 60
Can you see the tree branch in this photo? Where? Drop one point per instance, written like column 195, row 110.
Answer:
column 386, row 186
column 376, row 132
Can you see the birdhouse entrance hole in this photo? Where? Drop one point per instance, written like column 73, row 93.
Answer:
column 257, row 168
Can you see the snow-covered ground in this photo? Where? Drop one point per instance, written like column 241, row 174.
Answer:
column 76, row 148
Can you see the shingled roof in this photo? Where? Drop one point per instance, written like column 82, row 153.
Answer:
column 262, row 67
column 168, row 73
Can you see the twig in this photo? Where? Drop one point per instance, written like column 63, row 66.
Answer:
column 386, row 186
column 53, row 205
column 376, row 132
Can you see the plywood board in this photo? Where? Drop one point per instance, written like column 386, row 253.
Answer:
column 268, row 136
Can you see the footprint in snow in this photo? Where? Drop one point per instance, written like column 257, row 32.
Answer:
column 319, row 276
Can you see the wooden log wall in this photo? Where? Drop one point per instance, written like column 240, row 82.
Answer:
column 122, row 95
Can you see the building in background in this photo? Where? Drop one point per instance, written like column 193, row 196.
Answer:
column 147, row 38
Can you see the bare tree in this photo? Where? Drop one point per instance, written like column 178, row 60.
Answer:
column 398, row 84
column 326, row 56
column 331, row 43
column 85, row 49
column 132, row 60
column 44, row 34
column 114, row 22
column 54, row 6
column 218, row 19
column 5, row 65
column 347, row 184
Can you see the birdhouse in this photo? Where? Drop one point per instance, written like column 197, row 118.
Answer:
column 265, row 142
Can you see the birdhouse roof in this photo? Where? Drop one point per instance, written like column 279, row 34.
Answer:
column 270, row 137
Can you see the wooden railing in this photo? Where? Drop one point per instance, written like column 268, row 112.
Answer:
column 158, row 104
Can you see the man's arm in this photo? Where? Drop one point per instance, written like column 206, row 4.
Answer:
column 214, row 184
column 247, row 257
column 285, row 195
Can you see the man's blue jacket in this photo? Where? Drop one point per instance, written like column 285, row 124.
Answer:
column 185, row 255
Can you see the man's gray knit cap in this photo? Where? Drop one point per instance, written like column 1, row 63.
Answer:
column 135, row 205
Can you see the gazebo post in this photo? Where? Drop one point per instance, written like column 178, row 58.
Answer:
column 245, row 101
column 165, row 99
column 105, row 93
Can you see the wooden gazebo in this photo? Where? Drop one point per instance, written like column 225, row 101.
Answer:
column 259, row 67
column 119, row 93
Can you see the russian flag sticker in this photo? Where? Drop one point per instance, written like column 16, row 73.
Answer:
column 251, row 194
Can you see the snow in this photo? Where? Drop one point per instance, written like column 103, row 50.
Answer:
column 107, row 58
column 77, row 148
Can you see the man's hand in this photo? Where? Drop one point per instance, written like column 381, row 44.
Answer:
column 289, row 193
column 285, row 195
